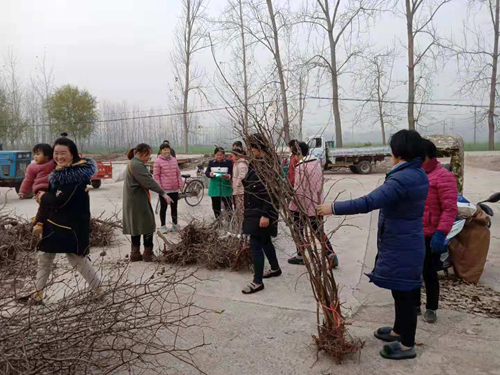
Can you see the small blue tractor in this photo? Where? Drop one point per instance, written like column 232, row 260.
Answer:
column 13, row 166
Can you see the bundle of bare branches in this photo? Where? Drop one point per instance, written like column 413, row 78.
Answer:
column 211, row 245
column 17, row 240
column 102, row 230
column 134, row 327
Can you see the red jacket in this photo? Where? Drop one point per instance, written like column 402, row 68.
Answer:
column 441, row 204
column 167, row 174
column 37, row 177
column 291, row 170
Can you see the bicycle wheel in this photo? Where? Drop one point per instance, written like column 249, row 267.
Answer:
column 194, row 192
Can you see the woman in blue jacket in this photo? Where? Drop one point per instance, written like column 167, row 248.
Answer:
column 400, row 239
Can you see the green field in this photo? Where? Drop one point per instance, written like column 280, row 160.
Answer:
column 469, row 146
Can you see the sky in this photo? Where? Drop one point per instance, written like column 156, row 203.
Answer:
column 119, row 50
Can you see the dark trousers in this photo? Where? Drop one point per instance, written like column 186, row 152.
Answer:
column 217, row 203
column 173, row 207
column 430, row 273
column 260, row 245
column 148, row 240
column 405, row 323
column 316, row 222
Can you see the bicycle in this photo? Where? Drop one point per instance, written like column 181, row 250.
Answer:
column 192, row 192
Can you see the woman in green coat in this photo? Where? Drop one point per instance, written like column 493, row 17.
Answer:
column 138, row 214
column 220, row 189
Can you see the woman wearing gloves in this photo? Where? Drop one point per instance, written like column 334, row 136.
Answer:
column 400, row 240
column 440, row 213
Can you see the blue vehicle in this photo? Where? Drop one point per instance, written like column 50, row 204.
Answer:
column 13, row 166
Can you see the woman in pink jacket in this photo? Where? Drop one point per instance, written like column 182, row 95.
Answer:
column 440, row 213
column 240, row 170
column 308, row 194
column 167, row 174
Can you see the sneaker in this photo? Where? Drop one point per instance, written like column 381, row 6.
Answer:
column 430, row 316
column 296, row 260
column 334, row 260
column 164, row 229
column 176, row 227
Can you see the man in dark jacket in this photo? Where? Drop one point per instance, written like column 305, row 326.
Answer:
column 261, row 216
column 400, row 239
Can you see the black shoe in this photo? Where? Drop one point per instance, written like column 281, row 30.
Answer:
column 419, row 310
column 395, row 352
column 270, row 273
column 297, row 261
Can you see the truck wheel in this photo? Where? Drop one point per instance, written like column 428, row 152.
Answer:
column 353, row 169
column 364, row 167
column 96, row 184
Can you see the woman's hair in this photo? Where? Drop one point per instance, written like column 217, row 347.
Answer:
column 163, row 146
column 238, row 151
column 304, row 148
column 407, row 145
column 430, row 149
column 219, row 149
column 64, row 141
column 237, row 144
column 141, row 148
column 294, row 146
column 258, row 142
column 45, row 149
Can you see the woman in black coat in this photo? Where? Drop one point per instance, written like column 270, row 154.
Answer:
column 66, row 208
column 261, row 217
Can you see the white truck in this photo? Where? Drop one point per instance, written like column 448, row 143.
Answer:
column 358, row 160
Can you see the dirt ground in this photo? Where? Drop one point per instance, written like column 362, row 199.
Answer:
column 270, row 332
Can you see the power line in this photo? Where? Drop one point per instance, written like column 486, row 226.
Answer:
column 225, row 108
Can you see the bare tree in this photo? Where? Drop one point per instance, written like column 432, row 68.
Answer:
column 43, row 84
column 14, row 88
column 477, row 58
column 375, row 81
column 268, row 25
column 419, row 16
column 340, row 24
column 190, row 38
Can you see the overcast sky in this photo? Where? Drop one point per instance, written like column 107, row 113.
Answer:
column 119, row 49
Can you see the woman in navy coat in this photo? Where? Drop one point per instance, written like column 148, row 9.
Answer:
column 400, row 239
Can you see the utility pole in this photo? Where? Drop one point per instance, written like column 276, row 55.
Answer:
column 475, row 127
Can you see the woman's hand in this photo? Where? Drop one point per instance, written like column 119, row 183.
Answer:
column 264, row 222
column 21, row 196
column 212, row 174
column 325, row 210
column 167, row 199
column 39, row 196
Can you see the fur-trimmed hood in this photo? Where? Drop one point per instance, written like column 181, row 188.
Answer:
column 78, row 173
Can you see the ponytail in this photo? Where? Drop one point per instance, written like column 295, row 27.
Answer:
column 141, row 148
column 131, row 153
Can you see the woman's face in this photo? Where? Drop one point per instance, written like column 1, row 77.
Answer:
column 62, row 156
column 165, row 152
column 219, row 156
column 144, row 157
column 256, row 152
column 396, row 159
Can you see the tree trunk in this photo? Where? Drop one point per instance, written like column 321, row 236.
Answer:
column 187, row 82
column 279, row 65
column 494, row 69
column 411, row 66
column 381, row 110
column 245, row 78
column 335, row 83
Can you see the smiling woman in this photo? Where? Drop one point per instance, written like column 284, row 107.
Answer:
column 66, row 208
